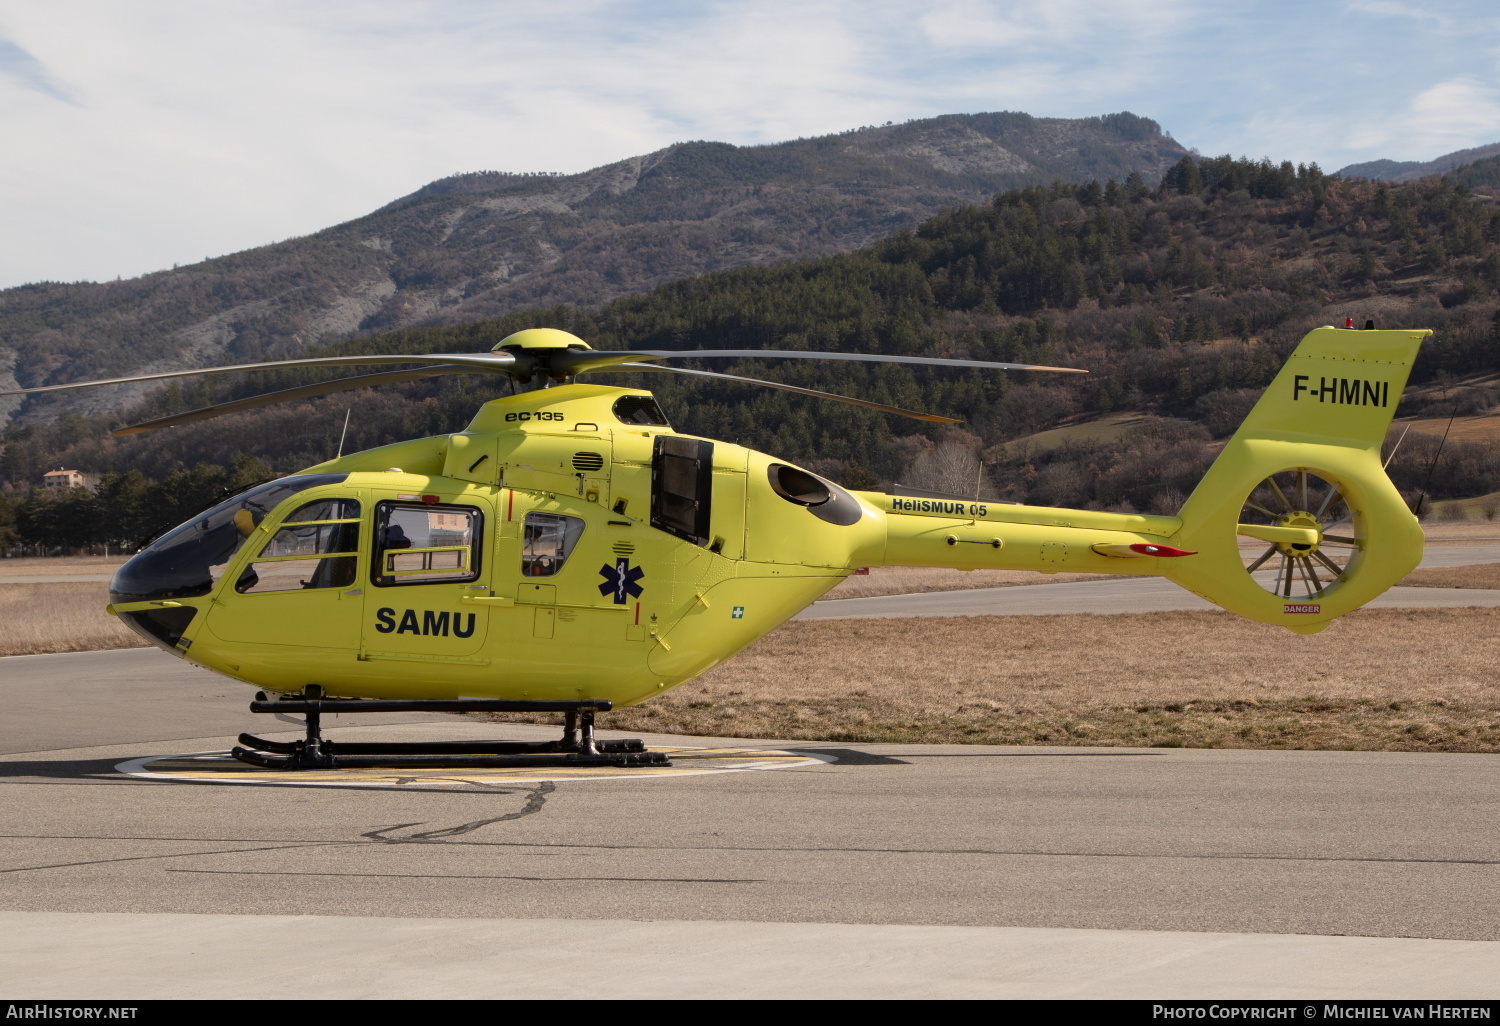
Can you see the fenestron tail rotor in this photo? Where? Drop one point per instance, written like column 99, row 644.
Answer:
column 545, row 353
column 1306, row 520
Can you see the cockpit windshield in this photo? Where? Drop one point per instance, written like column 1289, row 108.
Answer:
column 187, row 560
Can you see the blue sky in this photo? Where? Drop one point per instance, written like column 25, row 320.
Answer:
column 145, row 133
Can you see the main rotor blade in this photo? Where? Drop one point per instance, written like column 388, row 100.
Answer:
column 578, row 361
column 913, row 414
column 479, row 361
column 287, row 395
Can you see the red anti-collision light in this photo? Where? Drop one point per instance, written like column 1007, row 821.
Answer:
column 1348, row 322
column 1159, row 550
column 431, row 500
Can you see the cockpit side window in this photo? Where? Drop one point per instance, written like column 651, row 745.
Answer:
column 639, row 409
column 317, row 546
column 416, row 543
column 189, row 559
column 548, row 543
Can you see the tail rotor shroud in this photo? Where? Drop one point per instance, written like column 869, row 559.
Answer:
column 1310, row 529
column 1296, row 521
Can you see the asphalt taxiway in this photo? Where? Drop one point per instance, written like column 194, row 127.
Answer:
column 1141, row 594
column 877, row 870
column 1130, row 595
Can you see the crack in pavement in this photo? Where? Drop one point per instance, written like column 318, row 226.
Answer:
column 463, row 876
column 534, row 803
column 992, row 852
column 169, row 855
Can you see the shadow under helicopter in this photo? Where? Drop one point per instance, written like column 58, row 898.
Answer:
column 104, row 771
column 97, row 772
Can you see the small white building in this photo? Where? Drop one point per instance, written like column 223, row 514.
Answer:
column 61, row 480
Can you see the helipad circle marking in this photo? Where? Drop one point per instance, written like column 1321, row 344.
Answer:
column 223, row 768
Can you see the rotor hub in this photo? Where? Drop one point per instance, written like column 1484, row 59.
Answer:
column 1303, row 519
column 538, row 351
column 539, row 338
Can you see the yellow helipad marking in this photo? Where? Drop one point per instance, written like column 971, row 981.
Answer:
column 222, row 768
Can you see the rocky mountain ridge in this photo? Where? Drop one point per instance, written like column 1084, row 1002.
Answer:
column 485, row 244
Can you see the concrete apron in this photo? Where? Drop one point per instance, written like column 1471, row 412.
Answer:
column 120, row 956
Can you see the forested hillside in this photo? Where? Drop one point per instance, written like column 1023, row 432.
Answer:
column 1412, row 170
column 1480, row 174
column 1181, row 300
column 483, row 245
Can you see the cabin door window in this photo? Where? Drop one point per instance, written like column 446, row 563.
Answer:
column 427, row 572
column 425, row 544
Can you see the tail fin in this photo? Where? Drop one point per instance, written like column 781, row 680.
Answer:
column 1302, row 481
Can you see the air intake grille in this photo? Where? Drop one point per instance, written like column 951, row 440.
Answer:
column 587, row 461
column 623, row 548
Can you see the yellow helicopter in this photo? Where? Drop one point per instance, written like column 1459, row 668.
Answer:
column 570, row 551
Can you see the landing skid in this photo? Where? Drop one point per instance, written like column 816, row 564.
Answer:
column 577, row 746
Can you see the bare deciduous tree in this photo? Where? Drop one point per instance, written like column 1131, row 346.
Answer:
column 953, row 466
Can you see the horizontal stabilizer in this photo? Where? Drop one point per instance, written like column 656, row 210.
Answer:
column 1139, row 550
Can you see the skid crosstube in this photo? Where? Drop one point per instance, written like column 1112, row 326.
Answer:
column 577, row 747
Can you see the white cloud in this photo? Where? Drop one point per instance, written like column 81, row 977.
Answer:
column 1391, row 9
column 1450, row 115
column 1452, row 112
column 1052, row 26
column 966, row 24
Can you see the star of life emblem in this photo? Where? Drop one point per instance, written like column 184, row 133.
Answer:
column 621, row 581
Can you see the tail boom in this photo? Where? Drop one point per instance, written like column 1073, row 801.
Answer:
column 1325, row 416
column 1004, row 536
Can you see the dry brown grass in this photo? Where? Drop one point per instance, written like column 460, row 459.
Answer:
column 1484, row 427
column 36, row 618
column 1389, row 680
column 1461, row 532
column 41, row 566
